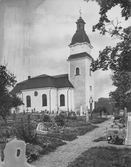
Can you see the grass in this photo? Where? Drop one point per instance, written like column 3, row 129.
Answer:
column 104, row 157
column 44, row 144
column 48, row 143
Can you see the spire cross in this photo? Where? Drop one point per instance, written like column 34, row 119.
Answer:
column 80, row 12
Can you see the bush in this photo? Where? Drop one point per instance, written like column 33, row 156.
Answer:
column 26, row 132
column 72, row 115
column 60, row 120
column 46, row 118
column 33, row 152
column 98, row 120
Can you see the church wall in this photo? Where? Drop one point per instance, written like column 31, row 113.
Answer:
column 78, row 82
column 54, row 100
column 69, row 101
column 64, row 92
column 79, row 48
column 36, row 101
column 89, row 83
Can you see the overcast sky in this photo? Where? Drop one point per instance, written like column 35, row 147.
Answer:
column 35, row 34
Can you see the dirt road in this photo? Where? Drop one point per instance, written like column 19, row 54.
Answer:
column 69, row 152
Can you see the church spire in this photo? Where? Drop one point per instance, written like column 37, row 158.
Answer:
column 80, row 12
column 80, row 22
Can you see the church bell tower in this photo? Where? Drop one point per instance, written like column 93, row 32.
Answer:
column 79, row 71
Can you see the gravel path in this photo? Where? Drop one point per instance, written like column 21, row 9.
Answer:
column 69, row 152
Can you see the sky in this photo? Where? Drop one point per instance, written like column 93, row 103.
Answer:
column 35, row 34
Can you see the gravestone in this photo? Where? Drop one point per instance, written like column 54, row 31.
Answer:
column 87, row 114
column 41, row 129
column 14, row 154
column 81, row 111
column 128, row 134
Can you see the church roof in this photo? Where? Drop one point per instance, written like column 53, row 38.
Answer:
column 79, row 55
column 80, row 36
column 43, row 81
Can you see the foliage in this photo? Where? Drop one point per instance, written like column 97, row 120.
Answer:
column 33, row 152
column 98, row 120
column 60, row 120
column 105, row 104
column 16, row 101
column 99, row 110
column 7, row 80
column 46, row 118
column 105, row 6
column 64, row 135
column 103, row 156
column 25, row 131
column 122, row 80
column 116, row 58
column 5, row 106
column 7, row 101
column 85, row 129
column 72, row 115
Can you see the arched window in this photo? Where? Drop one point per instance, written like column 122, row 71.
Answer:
column 28, row 101
column 62, row 100
column 44, row 100
column 77, row 71
column 90, row 72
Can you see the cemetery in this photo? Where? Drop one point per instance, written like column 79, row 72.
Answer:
column 42, row 133
column 42, row 137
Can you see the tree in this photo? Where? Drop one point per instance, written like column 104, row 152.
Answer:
column 122, row 80
column 116, row 58
column 105, row 104
column 7, row 80
column 7, row 101
column 16, row 101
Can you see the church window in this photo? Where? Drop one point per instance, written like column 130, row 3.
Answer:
column 35, row 93
column 62, row 100
column 28, row 101
column 77, row 71
column 90, row 72
column 44, row 100
column 90, row 88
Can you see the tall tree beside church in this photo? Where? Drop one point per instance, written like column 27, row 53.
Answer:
column 105, row 104
column 7, row 101
column 116, row 58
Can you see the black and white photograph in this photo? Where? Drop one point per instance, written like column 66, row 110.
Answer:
column 65, row 83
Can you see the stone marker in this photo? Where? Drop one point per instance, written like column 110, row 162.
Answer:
column 11, row 156
column 128, row 134
column 41, row 129
column 87, row 114
column 81, row 111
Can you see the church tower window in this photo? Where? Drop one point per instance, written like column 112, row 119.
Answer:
column 77, row 71
column 44, row 100
column 90, row 72
column 62, row 100
column 28, row 101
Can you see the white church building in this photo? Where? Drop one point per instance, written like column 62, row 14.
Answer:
column 68, row 92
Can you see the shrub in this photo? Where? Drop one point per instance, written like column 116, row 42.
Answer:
column 26, row 132
column 46, row 118
column 33, row 152
column 98, row 120
column 72, row 115
column 60, row 120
